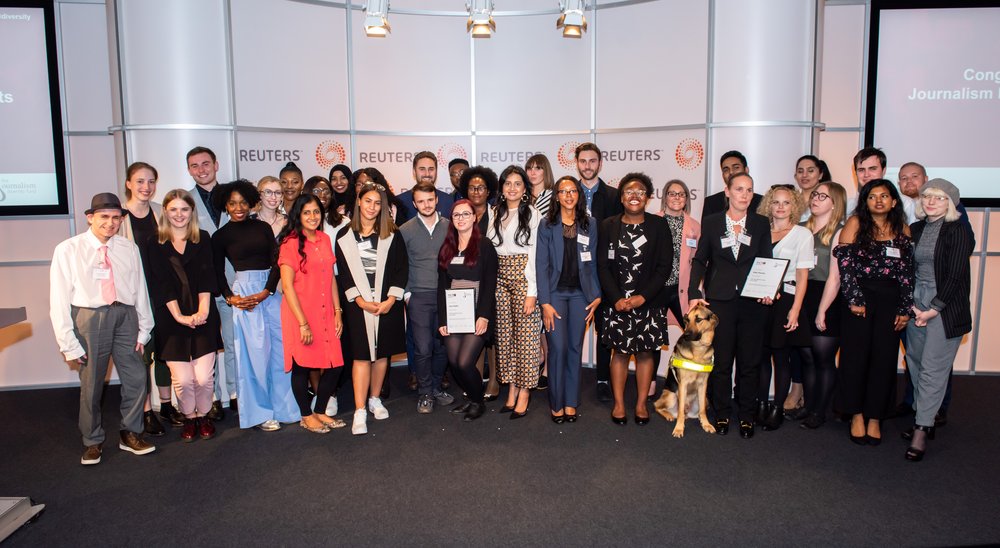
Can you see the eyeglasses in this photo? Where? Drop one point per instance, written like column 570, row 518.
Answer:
column 568, row 191
column 461, row 216
column 634, row 193
column 321, row 190
column 934, row 198
column 477, row 189
column 677, row 195
column 270, row 193
column 821, row 196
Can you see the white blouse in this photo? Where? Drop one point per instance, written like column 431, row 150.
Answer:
column 510, row 247
column 797, row 247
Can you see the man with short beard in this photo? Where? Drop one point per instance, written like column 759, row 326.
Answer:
column 425, row 165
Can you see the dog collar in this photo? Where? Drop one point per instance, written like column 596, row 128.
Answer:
column 690, row 365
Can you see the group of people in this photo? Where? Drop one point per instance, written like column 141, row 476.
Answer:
column 306, row 283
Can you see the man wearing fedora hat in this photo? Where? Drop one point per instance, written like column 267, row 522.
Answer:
column 100, row 310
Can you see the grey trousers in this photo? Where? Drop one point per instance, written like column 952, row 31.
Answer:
column 224, row 393
column 929, row 357
column 109, row 332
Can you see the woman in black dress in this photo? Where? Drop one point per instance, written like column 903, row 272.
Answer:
column 372, row 270
column 187, row 321
column 634, row 256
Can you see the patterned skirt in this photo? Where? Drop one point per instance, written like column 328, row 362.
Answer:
column 641, row 330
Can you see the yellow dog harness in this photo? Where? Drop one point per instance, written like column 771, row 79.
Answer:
column 681, row 363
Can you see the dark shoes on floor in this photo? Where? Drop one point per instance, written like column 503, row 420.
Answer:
column 216, row 413
column 722, row 427
column 813, row 421
column 190, row 430
column 474, row 411
column 205, row 428
column 234, row 406
column 603, row 392
column 746, row 429
column 91, row 455
column 773, row 419
column 152, row 426
column 133, row 443
column 170, row 415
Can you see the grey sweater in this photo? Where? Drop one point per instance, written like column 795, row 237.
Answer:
column 422, row 247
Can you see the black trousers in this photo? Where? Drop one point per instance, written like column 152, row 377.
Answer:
column 300, row 387
column 869, row 354
column 740, row 337
column 603, row 366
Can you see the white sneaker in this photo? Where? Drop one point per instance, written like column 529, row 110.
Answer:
column 331, row 407
column 377, row 409
column 360, row 426
column 270, row 425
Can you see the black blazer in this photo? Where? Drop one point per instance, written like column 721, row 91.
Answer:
column 659, row 255
column 951, row 274
column 605, row 203
column 724, row 276
column 485, row 271
column 716, row 203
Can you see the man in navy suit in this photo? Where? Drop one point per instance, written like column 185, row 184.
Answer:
column 425, row 171
column 732, row 163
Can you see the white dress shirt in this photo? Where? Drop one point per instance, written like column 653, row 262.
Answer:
column 72, row 282
column 510, row 247
column 797, row 247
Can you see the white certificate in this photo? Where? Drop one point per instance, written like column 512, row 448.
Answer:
column 765, row 278
column 461, row 310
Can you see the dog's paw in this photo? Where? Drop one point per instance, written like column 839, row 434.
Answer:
column 667, row 415
column 678, row 432
column 708, row 427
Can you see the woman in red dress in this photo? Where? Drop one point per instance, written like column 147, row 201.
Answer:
column 310, row 311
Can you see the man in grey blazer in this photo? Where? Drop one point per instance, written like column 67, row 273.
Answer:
column 203, row 168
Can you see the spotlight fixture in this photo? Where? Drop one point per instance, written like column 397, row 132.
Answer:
column 572, row 21
column 377, row 18
column 480, row 18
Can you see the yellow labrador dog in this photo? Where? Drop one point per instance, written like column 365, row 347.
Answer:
column 691, row 363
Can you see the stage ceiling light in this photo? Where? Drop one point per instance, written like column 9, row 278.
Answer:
column 377, row 18
column 572, row 21
column 480, row 18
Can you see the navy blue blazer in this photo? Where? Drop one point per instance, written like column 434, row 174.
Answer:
column 549, row 261
column 408, row 210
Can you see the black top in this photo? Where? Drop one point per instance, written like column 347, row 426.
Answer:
column 249, row 245
column 144, row 229
column 654, row 270
column 605, row 202
column 206, row 198
column 724, row 275
column 484, row 272
column 716, row 203
column 955, row 244
column 182, row 276
column 569, row 277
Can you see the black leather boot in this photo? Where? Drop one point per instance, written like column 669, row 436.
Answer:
column 775, row 416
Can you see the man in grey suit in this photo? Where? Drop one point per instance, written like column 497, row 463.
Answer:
column 203, row 168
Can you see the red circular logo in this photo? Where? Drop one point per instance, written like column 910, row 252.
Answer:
column 448, row 152
column 566, row 156
column 329, row 154
column 689, row 153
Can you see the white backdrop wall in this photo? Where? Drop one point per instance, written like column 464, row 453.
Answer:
column 663, row 86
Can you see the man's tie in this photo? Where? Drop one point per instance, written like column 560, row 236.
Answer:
column 107, row 284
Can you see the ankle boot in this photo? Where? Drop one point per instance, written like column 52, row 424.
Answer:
column 762, row 411
column 775, row 416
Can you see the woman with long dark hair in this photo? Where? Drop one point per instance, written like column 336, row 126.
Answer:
column 875, row 257
column 943, row 244
column 569, row 292
column 823, row 304
column 372, row 175
column 539, row 172
column 634, row 257
column 513, row 229
column 263, row 385
column 372, row 272
column 467, row 261
column 310, row 313
column 187, row 320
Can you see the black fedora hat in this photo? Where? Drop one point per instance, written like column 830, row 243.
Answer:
column 105, row 200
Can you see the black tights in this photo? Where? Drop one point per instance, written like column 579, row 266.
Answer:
column 819, row 373
column 300, row 387
column 463, row 353
column 782, row 359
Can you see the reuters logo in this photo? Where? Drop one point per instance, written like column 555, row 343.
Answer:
column 329, row 154
column 449, row 152
column 689, row 153
column 566, row 156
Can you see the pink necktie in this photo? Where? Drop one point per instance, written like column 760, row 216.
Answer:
column 108, row 284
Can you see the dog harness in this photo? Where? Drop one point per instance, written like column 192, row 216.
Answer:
column 681, row 363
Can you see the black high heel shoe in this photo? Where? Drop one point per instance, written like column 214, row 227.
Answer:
column 642, row 421
column 912, row 453
column 515, row 415
column 860, row 440
column 571, row 417
column 619, row 420
column 507, row 409
column 558, row 419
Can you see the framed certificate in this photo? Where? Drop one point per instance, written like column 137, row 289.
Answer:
column 460, row 307
column 764, row 280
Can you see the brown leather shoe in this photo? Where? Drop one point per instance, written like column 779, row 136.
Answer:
column 133, row 443
column 412, row 383
column 91, row 455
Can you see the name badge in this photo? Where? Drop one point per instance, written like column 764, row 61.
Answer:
column 458, row 260
column 364, row 245
column 583, row 239
column 815, row 260
column 743, row 239
column 585, row 257
column 892, row 252
column 691, row 242
column 639, row 241
column 789, row 288
column 611, row 254
column 102, row 273
column 728, row 242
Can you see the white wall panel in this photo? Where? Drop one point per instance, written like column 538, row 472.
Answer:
column 92, row 167
column 771, row 153
column 988, row 352
column 417, row 79
column 530, row 78
column 652, row 64
column 843, row 65
column 174, row 61
column 85, row 66
column 763, row 60
column 297, row 80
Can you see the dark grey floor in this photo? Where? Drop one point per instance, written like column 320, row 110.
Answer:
column 433, row 480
